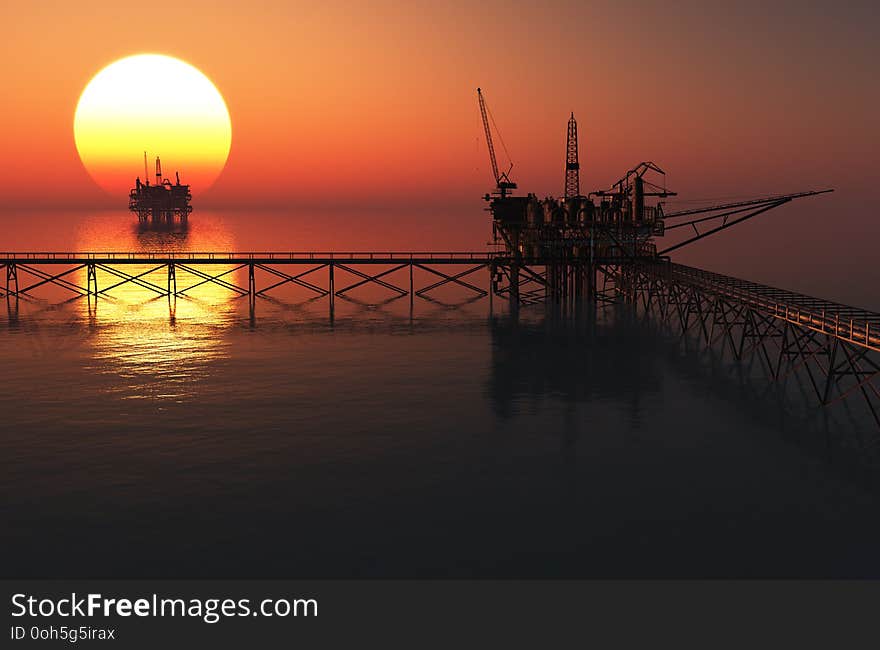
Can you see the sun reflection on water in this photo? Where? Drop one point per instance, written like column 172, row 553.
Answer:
column 157, row 345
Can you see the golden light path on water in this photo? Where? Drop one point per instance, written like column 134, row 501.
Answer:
column 156, row 344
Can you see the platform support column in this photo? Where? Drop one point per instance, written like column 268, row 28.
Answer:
column 591, row 282
column 411, row 294
column 514, row 284
column 172, row 279
column 491, row 267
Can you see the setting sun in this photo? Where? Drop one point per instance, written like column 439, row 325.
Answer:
column 157, row 104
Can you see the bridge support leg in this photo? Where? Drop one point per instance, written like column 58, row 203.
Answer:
column 172, row 279
column 332, row 294
column 92, row 280
column 411, row 294
column 832, row 361
column 252, row 290
column 11, row 276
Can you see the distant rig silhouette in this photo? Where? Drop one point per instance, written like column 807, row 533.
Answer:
column 161, row 202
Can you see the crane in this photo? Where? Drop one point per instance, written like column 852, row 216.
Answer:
column 636, row 176
column 748, row 209
column 502, row 181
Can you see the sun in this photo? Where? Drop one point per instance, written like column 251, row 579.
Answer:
column 153, row 103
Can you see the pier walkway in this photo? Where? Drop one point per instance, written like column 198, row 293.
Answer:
column 834, row 345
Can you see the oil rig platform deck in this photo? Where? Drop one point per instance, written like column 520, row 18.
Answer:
column 163, row 200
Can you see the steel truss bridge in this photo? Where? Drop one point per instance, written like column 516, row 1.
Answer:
column 834, row 346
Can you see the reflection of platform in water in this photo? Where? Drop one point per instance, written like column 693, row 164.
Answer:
column 846, row 436
column 615, row 355
column 573, row 360
column 162, row 224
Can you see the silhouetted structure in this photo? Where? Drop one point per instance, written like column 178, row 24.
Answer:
column 598, row 249
column 161, row 201
column 559, row 250
column 572, row 166
column 502, row 182
column 601, row 248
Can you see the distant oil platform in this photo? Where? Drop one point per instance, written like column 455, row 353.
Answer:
column 162, row 202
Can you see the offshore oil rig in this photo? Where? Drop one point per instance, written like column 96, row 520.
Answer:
column 162, row 201
column 601, row 248
column 589, row 246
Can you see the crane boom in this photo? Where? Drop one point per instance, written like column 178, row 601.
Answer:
column 726, row 206
column 747, row 209
column 488, row 131
column 502, row 182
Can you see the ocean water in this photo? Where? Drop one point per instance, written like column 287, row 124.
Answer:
column 154, row 438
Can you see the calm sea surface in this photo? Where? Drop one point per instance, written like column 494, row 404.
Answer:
column 142, row 437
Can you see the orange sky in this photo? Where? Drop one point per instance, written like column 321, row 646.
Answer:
column 340, row 103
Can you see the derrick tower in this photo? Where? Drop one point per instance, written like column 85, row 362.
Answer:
column 572, row 180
